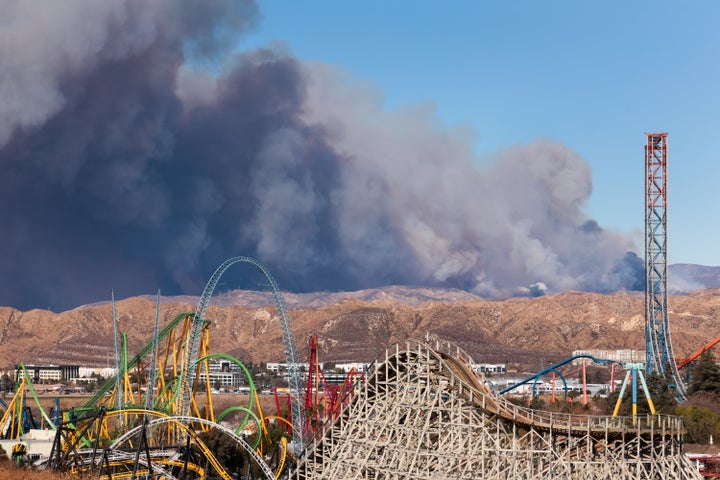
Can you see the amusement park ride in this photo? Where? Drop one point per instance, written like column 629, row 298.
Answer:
column 418, row 411
column 658, row 346
column 162, row 397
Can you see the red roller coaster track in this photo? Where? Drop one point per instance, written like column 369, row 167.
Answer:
column 684, row 362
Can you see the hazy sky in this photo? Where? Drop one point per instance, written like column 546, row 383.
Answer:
column 495, row 147
column 594, row 76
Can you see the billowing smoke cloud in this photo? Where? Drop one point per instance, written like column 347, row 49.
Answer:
column 124, row 165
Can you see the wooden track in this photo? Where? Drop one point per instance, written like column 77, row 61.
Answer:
column 423, row 414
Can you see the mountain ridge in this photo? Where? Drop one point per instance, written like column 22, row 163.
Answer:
column 361, row 325
column 683, row 278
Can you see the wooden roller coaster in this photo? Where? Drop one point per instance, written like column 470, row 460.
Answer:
column 423, row 414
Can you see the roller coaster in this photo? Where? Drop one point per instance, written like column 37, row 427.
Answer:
column 419, row 413
column 98, row 438
column 685, row 362
column 423, row 414
column 160, row 402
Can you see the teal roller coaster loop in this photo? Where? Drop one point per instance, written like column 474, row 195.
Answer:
column 188, row 373
column 553, row 368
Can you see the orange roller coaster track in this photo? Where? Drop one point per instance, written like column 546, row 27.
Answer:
column 684, row 362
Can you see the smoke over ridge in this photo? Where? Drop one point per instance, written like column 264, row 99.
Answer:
column 124, row 165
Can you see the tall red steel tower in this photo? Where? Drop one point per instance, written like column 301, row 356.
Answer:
column 659, row 353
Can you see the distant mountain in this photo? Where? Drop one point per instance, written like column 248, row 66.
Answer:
column 687, row 277
column 357, row 326
column 400, row 294
column 682, row 278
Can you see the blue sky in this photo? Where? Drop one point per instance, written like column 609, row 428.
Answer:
column 594, row 77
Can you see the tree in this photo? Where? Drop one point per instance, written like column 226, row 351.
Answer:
column 597, row 374
column 5, row 383
column 225, row 449
column 706, row 375
column 700, row 423
column 662, row 392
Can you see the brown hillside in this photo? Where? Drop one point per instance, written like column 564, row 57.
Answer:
column 518, row 330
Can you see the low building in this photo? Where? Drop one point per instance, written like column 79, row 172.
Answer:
column 280, row 367
column 105, row 372
column 224, row 373
column 347, row 367
column 55, row 373
column 225, row 379
column 489, row 367
column 620, row 355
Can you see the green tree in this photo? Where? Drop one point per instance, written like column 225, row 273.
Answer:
column 275, row 432
column 705, row 375
column 5, row 383
column 662, row 392
column 700, row 423
column 225, row 449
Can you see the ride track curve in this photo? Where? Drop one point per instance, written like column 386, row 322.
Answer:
column 554, row 368
column 122, row 455
column 684, row 362
column 110, row 383
column 423, row 414
column 109, row 414
column 188, row 371
column 182, row 422
column 123, row 452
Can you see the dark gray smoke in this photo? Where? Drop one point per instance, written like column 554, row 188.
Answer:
column 125, row 166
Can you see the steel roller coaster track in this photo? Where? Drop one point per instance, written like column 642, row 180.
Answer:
column 188, row 371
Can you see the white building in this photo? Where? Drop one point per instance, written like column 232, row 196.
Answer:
column 489, row 367
column 225, row 379
column 347, row 367
column 51, row 372
column 104, row 372
column 621, row 355
column 278, row 367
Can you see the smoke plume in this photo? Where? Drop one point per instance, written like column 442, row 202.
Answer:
column 125, row 165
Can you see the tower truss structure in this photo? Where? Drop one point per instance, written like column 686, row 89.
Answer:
column 423, row 414
column 659, row 357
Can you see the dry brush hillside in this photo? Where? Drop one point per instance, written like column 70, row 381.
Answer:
column 357, row 328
